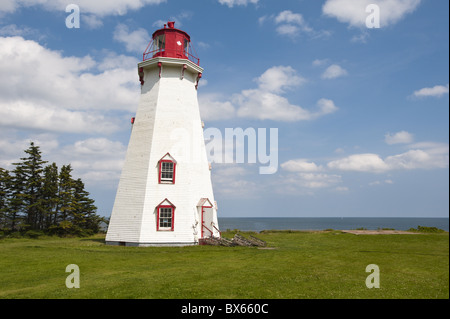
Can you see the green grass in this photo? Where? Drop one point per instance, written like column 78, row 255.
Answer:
column 301, row 265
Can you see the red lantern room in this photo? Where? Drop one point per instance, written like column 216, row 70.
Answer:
column 171, row 43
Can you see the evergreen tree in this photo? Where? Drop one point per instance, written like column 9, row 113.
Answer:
column 5, row 189
column 50, row 199
column 84, row 211
column 65, row 193
column 16, row 200
column 32, row 169
column 34, row 197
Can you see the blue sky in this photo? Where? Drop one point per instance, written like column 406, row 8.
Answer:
column 362, row 114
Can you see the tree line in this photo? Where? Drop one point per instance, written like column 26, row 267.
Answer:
column 36, row 198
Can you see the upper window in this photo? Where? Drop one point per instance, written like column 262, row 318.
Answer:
column 167, row 171
column 167, row 166
column 186, row 47
column 160, row 43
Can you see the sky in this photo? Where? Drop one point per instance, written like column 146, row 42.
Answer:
column 361, row 110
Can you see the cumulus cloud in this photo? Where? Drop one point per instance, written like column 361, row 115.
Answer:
column 76, row 94
column 300, row 165
column 402, row 137
column 212, row 109
column 360, row 162
column 29, row 116
column 436, row 91
column 134, row 41
column 98, row 7
column 278, row 79
column 353, row 12
column 232, row 3
column 233, row 180
column 306, row 175
column 334, row 71
column 291, row 24
column 430, row 156
column 95, row 159
column 304, row 183
column 266, row 102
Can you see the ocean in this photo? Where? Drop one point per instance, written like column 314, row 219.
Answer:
column 337, row 223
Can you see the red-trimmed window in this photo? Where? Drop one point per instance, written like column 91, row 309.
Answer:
column 167, row 168
column 165, row 216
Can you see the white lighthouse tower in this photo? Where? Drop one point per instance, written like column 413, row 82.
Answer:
column 165, row 195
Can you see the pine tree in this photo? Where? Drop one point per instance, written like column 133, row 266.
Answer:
column 50, row 199
column 38, row 198
column 65, row 192
column 5, row 193
column 84, row 211
column 17, row 200
column 32, row 169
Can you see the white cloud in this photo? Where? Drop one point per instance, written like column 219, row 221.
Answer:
column 436, row 91
column 334, row 71
column 375, row 183
column 97, row 7
column 360, row 162
column 178, row 19
column 278, row 79
column 91, row 20
column 211, row 109
column 76, row 94
column 402, row 137
column 234, row 180
column 319, row 62
column 288, row 16
column 353, row 12
column 263, row 105
column 53, row 119
column 135, row 41
column 14, row 30
column 412, row 159
column 325, row 107
column 431, row 156
column 299, row 182
column 288, row 29
column 266, row 102
column 12, row 147
column 232, row 3
column 289, row 23
column 300, row 165
column 95, row 159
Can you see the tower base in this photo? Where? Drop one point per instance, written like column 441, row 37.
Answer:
column 132, row 244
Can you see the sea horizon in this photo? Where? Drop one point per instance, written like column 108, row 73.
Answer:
column 337, row 223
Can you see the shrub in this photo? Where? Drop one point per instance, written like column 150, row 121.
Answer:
column 34, row 234
column 425, row 229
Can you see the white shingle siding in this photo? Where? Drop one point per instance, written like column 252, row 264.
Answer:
column 167, row 121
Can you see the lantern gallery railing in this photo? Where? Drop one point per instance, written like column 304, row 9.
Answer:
column 180, row 54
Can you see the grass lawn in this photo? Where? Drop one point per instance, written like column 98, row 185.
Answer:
column 300, row 265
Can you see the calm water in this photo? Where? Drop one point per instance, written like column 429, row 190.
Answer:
column 258, row 224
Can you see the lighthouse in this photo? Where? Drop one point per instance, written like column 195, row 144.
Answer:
column 165, row 195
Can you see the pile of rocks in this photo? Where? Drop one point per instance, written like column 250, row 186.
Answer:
column 237, row 240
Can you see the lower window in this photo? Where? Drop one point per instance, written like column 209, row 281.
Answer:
column 165, row 218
